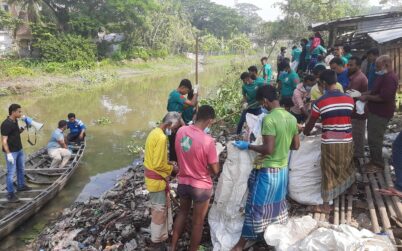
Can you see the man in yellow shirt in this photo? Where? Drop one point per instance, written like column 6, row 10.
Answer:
column 157, row 172
column 318, row 89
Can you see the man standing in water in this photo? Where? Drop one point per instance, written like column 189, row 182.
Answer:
column 268, row 182
column 157, row 171
column 12, row 148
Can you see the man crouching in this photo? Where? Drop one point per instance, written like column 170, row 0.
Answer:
column 157, row 172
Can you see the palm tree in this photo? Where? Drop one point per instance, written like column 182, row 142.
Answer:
column 34, row 9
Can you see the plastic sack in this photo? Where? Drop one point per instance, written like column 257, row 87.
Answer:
column 305, row 172
column 308, row 235
column 226, row 216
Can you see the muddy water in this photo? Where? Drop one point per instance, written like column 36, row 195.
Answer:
column 132, row 105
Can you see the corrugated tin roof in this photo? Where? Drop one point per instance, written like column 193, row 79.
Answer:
column 371, row 17
column 386, row 35
column 388, row 23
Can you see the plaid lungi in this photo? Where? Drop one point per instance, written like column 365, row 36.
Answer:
column 338, row 172
column 266, row 201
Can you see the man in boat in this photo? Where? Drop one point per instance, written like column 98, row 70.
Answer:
column 335, row 110
column 57, row 147
column 268, row 182
column 157, row 171
column 198, row 160
column 176, row 103
column 12, row 148
column 77, row 129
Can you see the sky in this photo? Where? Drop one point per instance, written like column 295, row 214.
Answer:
column 268, row 12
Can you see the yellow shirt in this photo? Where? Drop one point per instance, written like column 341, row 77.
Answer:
column 316, row 93
column 156, row 159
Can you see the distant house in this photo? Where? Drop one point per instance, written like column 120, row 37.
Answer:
column 18, row 41
column 383, row 30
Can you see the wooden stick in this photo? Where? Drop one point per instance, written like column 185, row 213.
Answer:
column 342, row 209
column 373, row 214
column 381, row 208
column 395, row 199
column 196, row 60
column 336, row 211
column 388, row 200
column 350, row 208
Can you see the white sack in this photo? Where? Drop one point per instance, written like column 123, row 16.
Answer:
column 305, row 172
column 308, row 235
column 226, row 216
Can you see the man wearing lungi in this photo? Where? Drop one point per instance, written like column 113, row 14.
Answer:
column 267, row 184
column 335, row 110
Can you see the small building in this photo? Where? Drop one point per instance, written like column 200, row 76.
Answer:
column 19, row 40
column 383, row 30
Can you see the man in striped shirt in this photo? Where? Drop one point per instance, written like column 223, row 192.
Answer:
column 335, row 110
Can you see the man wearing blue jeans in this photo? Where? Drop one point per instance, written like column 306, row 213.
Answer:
column 12, row 148
column 250, row 105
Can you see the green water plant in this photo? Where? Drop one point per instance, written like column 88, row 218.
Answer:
column 103, row 121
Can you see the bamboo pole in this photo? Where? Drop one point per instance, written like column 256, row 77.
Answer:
column 322, row 217
column 388, row 200
column 386, row 224
column 395, row 199
column 373, row 214
column 196, row 60
column 342, row 209
column 350, row 209
column 336, row 211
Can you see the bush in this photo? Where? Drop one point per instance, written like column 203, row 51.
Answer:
column 16, row 71
column 138, row 52
column 67, row 48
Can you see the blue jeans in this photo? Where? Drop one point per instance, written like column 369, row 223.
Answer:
column 254, row 111
column 397, row 160
column 19, row 165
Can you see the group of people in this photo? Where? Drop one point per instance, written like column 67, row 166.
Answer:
column 342, row 91
column 14, row 155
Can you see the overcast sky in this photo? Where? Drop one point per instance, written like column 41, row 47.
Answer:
column 268, row 12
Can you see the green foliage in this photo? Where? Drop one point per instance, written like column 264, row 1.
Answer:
column 76, row 51
column 209, row 44
column 299, row 14
column 17, row 71
column 7, row 21
column 239, row 44
column 227, row 99
column 135, row 149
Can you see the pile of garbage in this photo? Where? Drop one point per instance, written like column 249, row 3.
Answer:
column 118, row 220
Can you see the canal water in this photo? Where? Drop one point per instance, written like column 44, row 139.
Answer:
column 133, row 105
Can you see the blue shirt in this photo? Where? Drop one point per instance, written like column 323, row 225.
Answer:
column 57, row 135
column 371, row 76
column 75, row 127
column 343, row 78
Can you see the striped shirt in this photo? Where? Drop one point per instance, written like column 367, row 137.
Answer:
column 335, row 109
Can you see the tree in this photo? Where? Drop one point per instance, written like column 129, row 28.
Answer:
column 251, row 18
column 299, row 14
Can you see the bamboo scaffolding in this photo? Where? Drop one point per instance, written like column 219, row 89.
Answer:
column 336, row 211
column 342, row 221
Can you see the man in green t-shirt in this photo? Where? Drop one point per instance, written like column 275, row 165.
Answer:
column 288, row 82
column 266, row 202
column 176, row 103
column 266, row 70
column 253, row 71
column 250, row 105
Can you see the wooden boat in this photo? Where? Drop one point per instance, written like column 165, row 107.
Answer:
column 45, row 183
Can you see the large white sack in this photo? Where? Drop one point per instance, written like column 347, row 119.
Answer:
column 226, row 216
column 309, row 235
column 305, row 171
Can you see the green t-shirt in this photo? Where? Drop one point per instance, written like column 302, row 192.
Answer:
column 267, row 71
column 259, row 81
column 176, row 102
column 250, row 91
column 188, row 114
column 319, row 50
column 296, row 54
column 289, row 83
column 283, row 126
column 344, row 60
